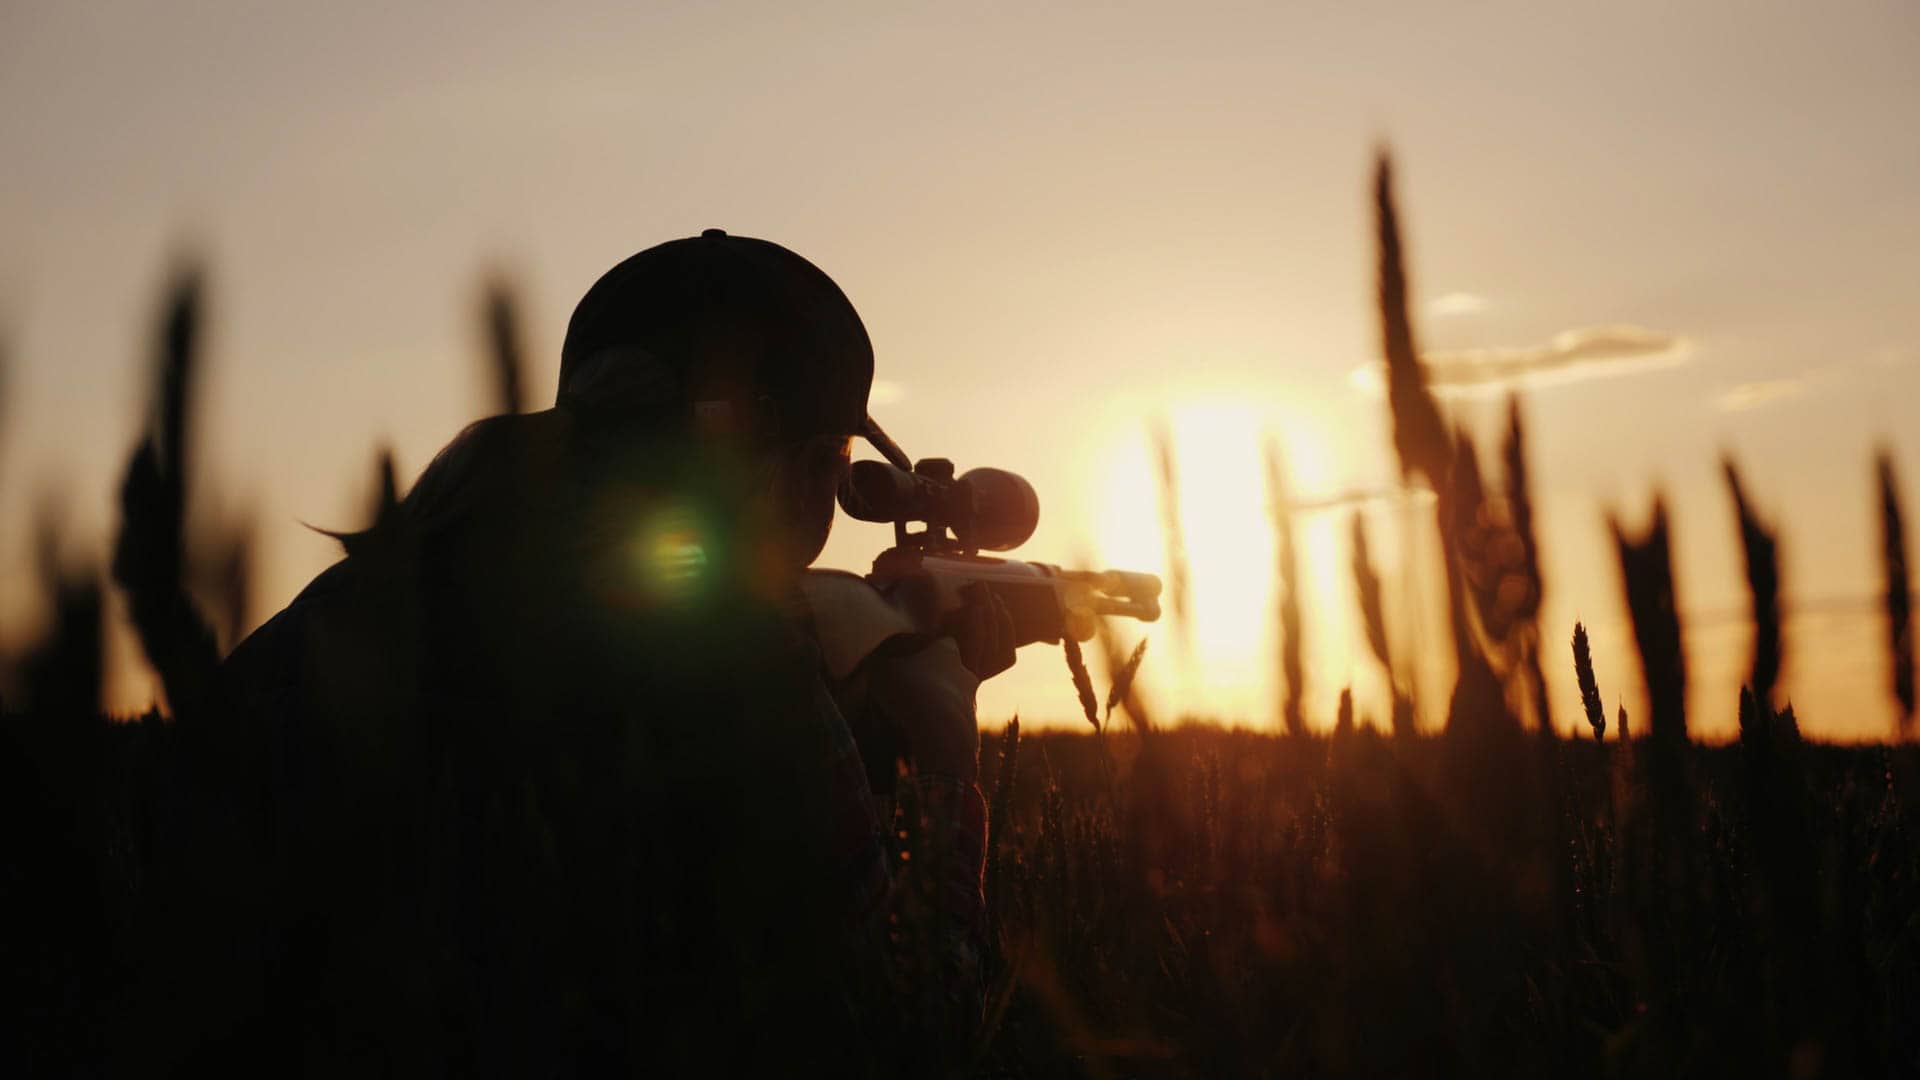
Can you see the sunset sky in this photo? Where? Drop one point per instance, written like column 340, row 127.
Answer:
column 1680, row 229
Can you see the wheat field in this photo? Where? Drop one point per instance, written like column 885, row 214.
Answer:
column 1163, row 900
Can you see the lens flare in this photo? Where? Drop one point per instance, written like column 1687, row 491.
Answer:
column 675, row 554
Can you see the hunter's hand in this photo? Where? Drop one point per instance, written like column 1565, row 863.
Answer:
column 926, row 698
column 928, row 695
column 984, row 631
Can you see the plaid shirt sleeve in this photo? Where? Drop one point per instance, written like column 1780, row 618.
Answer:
column 913, row 867
column 912, row 847
column 859, row 842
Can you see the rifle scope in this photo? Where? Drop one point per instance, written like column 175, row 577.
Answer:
column 985, row 509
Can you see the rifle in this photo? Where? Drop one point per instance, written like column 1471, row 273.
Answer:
column 920, row 581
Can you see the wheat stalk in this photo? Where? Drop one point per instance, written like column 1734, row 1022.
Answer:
column 1288, row 575
column 1646, row 568
column 150, row 551
column 1589, row 688
column 1419, row 435
column 1121, row 690
column 998, row 807
column 1763, row 584
column 1367, row 583
column 1082, row 682
column 1177, row 596
column 1520, row 517
column 1899, row 594
column 499, row 316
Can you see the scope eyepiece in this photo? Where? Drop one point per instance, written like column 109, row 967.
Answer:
column 876, row 491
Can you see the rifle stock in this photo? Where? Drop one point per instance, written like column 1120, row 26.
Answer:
column 1045, row 601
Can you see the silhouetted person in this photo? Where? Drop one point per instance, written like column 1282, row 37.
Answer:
column 553, row 777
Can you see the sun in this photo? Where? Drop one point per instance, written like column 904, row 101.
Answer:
column 1229, row 665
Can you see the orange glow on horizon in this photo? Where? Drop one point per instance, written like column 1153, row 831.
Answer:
column 1228, row 654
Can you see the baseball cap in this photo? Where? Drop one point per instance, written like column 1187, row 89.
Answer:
column 719, row 329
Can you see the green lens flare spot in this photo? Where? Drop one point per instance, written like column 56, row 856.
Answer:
column 680, row 557
column 675, row 554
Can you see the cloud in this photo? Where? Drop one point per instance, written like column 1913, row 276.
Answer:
column 1571, row 356
column 1361, row 498
column 1457, row 303
column 1589, row 347
column 1755, row 394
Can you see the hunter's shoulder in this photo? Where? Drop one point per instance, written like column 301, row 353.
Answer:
column 485, row 457
column 492, row 439
column 851, row 618
column 272, row 657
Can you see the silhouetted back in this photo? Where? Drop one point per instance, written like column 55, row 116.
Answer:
column 541, row 761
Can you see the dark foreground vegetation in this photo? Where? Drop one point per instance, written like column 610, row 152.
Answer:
column 1239, row 904
column 1208, row 902
column 1488, row 900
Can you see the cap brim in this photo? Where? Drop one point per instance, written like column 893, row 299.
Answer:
column 871, row 431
